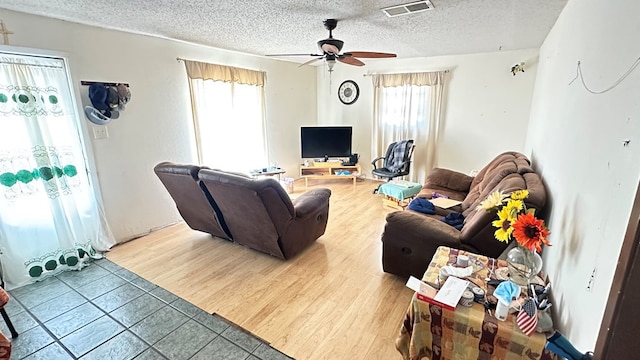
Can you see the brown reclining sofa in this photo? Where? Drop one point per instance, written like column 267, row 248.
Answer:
column 410, row 239
column 254, row 212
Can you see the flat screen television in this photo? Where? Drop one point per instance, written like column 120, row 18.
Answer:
column 325, row 141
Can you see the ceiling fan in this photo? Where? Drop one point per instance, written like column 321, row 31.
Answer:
column 331, row 48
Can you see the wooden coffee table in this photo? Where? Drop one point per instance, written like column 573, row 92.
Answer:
column 268, row 172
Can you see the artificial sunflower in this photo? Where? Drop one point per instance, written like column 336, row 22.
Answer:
column 520, row 194
column 492, row 201
column 530, row 232
column 515, row 206
column 504, row 222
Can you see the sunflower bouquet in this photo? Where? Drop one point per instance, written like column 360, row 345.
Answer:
column 515, row 220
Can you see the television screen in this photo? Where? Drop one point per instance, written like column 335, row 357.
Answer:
column 325, row 141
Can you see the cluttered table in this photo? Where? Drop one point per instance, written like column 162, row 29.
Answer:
column 467, row 332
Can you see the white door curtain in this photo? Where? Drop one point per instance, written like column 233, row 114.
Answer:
column 50, row 217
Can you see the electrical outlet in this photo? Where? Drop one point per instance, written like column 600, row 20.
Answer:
column 592, row 279
column 100, row 132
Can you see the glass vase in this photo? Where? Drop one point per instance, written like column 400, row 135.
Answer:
column 523, row 265
column 545, row 322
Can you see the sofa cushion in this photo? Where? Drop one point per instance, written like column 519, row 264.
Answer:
column 197, row 209
column 477, row 218
column 490, row 176
column 449, row 179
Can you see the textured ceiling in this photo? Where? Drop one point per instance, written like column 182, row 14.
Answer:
column 289, row 26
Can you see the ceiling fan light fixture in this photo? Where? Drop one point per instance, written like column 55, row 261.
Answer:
column 332, row 44
column 330, row 64
column 328, row 48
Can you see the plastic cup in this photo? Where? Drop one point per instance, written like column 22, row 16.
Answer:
column 462, row 260
column 502, row 310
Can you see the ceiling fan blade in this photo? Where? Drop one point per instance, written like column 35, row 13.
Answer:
column 294, row 55
column 369, row 54
column 351, row 61
column 310, row 61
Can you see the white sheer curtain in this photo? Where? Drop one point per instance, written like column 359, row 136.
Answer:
column 50, row 219
column 408, row 106
column 229, row 116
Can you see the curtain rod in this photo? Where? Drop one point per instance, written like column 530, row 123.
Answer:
column 178, row 59
column 28, row 64
column 371, row 74
column 89, row 83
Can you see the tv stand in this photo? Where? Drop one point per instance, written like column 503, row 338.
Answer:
column 329, row 170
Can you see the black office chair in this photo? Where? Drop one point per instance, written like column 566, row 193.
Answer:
column 397, row 161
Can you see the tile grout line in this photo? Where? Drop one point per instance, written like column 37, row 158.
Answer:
column 190, row 317
column 126, row 328
column 41, row 325
column 149, row 346
column 58, row 340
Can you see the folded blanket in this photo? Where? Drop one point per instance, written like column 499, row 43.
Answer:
column 422, row 205
column 454, row 219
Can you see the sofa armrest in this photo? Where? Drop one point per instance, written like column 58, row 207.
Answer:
column 311, row 202
column 419, row 228
column 449, row 179
column 410, row 240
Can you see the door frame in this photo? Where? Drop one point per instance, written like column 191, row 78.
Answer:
column 619, row 282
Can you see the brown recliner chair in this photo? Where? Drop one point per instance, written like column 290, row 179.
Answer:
column 194, row 203
column 261, row 216
column 410, row 239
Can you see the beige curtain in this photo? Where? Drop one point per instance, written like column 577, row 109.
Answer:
column 215, row 72
column 409, row 106
column 228, row 101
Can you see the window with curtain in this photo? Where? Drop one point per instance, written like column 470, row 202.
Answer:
column 408, row 106
column 50, row 217
column 229, row 116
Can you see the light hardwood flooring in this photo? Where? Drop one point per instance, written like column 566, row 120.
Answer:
column 333, row 301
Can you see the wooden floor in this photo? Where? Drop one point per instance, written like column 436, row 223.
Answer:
column 333, row 301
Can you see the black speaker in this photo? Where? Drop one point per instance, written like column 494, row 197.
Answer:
column 353, row 160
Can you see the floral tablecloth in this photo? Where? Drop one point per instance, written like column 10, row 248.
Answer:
column 431, row 332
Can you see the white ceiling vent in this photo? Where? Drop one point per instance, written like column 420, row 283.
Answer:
column 409, row 8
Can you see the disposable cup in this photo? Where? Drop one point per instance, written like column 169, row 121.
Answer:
column 502, row 310
column 462, row 260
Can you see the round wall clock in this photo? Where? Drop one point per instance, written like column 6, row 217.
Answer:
column 348, row 92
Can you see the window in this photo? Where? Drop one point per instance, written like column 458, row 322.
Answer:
column 229, row 121
column 407, row 107
column 404, row 107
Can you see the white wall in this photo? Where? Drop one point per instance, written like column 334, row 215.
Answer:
column 156, row 125
column 576, row 142
column 486, row 108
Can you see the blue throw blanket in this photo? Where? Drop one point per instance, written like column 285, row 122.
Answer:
column 454, row 219
column 422, row 205
column 396, row 158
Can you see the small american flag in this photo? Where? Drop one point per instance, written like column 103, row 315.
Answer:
column 527, row 319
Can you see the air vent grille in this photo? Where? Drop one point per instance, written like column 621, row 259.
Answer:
column 409, row 8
